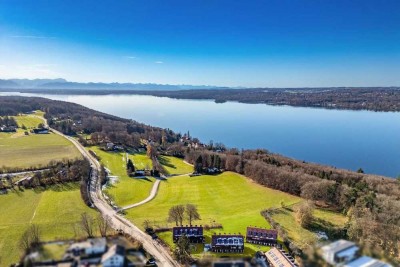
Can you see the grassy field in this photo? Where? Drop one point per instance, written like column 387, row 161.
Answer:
column 20, row 151
column 175, row 165
column 141, row 161
column 55, row 211
column 303, row 237
column 127, row 190
column 228, row 199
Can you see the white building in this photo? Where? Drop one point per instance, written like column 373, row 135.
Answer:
column 89, row 247
column 114, row 257
column 340, row 252
column 366, row 261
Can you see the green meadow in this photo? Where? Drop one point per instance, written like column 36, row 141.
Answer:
column 228, row 199
column 18, row 150
column 55, row 210
column 175, row 166
column 127, row 190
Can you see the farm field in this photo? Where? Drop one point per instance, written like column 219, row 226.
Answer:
column 127, row 190
column 54, row 210
column 20, row 151
column 175, row 166
column 228, row 199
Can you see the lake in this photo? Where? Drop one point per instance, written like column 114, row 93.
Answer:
column 341, row 138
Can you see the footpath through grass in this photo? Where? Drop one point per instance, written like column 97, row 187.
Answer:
column 228, row 199
column 127, row 190
column 55, row 210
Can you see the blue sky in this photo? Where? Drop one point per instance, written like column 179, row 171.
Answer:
column 282, row 43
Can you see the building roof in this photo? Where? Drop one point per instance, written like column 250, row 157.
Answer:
column 93, row 242
column 278, row 258
column 338, row 246
column 227, row 240
column 188, row 230
column 114, row 250
column 366, row 261
column 258, row 230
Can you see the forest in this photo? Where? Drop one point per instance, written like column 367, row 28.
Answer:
column 350, row 98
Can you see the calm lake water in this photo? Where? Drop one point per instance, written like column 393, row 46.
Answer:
column 345, row 139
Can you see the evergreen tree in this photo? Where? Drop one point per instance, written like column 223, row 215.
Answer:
column 130, row 167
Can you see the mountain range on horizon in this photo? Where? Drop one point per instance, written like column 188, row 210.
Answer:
column 61, row 83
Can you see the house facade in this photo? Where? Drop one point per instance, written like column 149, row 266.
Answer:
column 261, row 236
column 89, row 247
column 227, row 243
column 115, row 257
column 194, row 233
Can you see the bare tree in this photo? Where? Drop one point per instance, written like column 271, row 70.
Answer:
column 182, row 249
column 30, row 238
column 25, row 242
column 87, row 224
column 147, row 224
column 176, row 214
column 304, row 214
column 104, row 224
column 192, row 213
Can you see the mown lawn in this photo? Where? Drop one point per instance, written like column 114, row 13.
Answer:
column 304, row 237
column 228, row 199
column 55, row 210
column 127, row 190
column 18, row 150
column 175, row 165
column 28, row 121
column 141, row 161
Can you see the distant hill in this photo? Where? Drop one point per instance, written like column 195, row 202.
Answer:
column 64, row 84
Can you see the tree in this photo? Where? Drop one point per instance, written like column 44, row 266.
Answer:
column 87, row 224
column 151, row 151
column 176, row 214
column 192, row 213
column 30, row 238
column 304, row 214
column 360, row 170
column 23, row 127
column 198, row 165
column 40, row 125
column 104, row 224
column 130, row 167
column 182, row 249
column 146, row 224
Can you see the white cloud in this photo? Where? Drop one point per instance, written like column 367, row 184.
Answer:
column 131, row 57
column 159, row 62
column 33, row 37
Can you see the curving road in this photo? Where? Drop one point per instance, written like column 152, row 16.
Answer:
column 118, row 222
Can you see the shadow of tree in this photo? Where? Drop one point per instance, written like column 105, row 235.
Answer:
column 166, row 162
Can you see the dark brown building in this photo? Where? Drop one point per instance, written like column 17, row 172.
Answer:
column 260, row 236
column 227, row 243
column 194, row 233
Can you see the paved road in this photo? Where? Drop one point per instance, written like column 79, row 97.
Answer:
column 118, row 222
